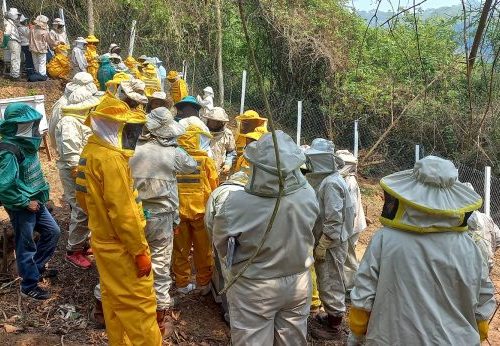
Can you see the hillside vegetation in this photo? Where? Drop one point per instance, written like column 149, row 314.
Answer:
column 411, row 71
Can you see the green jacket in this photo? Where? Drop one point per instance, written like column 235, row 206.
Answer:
column 21, row 183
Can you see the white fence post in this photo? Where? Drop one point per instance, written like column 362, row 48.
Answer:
column 299, row 121
column 487, row 190
column 61, row 15
column 356, row 139
column 417, row 152
column 132, row 39
column 243, row 91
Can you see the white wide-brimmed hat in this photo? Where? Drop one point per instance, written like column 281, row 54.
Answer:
column 80, row 103
column 160, row 95
column 161, row 124
column 209, row 90
column 80, row 39
column 217, row 113
column 41, row 21
column 432, row 186
column 12, row 13
column 134, row 89
column 58, row 21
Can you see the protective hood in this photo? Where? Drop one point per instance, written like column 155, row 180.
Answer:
column 80, row 103
column 264, row 180
column 249, row 121
column 114, row 122
column 42, row 21
column 160, row 95
column 346, row 162
column 161, row 124
column 61, row 49
column 134, row 89
column 217, row 113
column 172, row 75
column 20, row 126
column 208, row 91
column 82, row 79
column 130, row 62
column 428, row 198
column 113, row 84
column 195, row 140
column 321, row 158
column 239, row 178
column 12, row 13
column 92, row 39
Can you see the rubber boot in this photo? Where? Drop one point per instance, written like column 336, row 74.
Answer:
column 165, row 322
column 97, row 314
column 330, row 331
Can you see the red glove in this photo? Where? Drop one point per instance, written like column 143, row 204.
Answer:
column 143, row 264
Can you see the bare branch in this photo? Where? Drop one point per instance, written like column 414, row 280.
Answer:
column 403, row 11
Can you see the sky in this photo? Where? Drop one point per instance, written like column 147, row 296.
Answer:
column 366, row 5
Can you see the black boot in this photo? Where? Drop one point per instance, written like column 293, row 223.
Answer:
column 328, row 327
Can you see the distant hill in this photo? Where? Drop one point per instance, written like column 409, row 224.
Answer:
column 382, row 16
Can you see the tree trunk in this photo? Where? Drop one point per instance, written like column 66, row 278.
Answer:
column 479, row 35
column 220, row 72
column 90, row 16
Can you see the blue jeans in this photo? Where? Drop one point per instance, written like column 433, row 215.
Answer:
column 31, row 257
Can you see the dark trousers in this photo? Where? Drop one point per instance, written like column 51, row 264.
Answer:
column 31, row 257
column 28, row 59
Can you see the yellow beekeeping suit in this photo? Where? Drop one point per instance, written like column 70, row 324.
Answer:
column 194, row 191
column 59, row 66
column 116, row 219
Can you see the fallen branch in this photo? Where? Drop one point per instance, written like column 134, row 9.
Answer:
column 396, row 120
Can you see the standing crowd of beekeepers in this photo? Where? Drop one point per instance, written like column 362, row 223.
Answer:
column 161, row 190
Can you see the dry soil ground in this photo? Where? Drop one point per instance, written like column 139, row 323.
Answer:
column 63, row 319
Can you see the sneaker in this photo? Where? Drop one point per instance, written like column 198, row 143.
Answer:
column 187, row 289
column 205, row 289
column 36, row 293
column 78, row 259
column 48, row 274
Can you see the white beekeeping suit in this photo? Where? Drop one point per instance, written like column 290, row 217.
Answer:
column 222, row 143
column 71, row 135
column 347, row 169
column 207, row 101
column 422, row 280
column 332, row 230
column 485, row 234
column 236, row 182
column 279, row 274
column 155, row 164
column 78, row 59
column 14, row 44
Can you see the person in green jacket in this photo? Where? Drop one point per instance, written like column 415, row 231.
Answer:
column 105, row 73
column 24, row 192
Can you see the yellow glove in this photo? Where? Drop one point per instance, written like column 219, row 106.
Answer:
column 483, row 328
column 323, row 245
column 358, row 320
